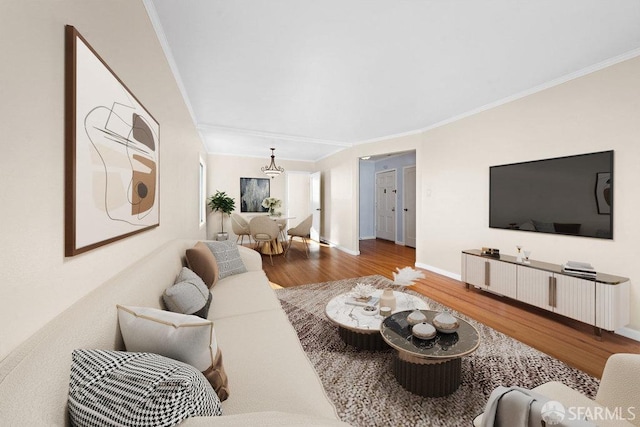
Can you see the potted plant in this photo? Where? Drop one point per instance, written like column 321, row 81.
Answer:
column 221, row 202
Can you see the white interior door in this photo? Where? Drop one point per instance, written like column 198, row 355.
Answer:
column 316, row 207
column 386, row 205
column 409, row 203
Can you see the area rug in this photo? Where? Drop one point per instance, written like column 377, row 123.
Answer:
column 365, row 392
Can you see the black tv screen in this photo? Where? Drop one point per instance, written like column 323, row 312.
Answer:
column 566, row 195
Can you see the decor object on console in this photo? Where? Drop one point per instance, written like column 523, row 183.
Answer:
column 221, row 202
column 272, row 170
column 111, row 154
column 519, row 255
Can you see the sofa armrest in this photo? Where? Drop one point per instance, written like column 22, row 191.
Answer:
column 252, row 259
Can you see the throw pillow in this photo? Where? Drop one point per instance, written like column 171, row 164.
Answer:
column 116, row 388
column 203, row 263
column 183, row 337
column 188, row 295
column 228, row 258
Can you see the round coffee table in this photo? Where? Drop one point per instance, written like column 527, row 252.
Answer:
column 359, row 329
column 430, row 368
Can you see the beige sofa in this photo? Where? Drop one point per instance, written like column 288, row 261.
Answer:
column 271, row 381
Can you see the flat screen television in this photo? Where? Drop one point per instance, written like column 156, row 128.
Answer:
column 570, row 195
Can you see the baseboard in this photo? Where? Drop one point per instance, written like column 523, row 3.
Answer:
column 368, row 238
column 439, row 271
column 341, row 248
column 633, row 334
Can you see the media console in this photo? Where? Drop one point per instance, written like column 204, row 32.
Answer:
column 602, row 301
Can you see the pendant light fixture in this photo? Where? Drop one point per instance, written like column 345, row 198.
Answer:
column 272, row 170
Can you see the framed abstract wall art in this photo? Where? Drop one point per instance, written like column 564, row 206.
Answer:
column 111, row 154
column 252, row 192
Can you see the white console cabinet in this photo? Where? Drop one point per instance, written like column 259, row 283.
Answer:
column 602, row 302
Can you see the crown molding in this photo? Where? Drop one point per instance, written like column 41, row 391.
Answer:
column 269, row 135
column 164, row 43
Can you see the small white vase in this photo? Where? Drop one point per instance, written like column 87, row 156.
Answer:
column 387, row 299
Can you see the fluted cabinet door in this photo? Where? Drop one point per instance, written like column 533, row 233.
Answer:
column 503, row 279
column 475, row 268
column 533, row 287
column 576, row 298
column 612, row 311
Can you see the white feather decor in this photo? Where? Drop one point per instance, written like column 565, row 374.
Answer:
column 406, row 276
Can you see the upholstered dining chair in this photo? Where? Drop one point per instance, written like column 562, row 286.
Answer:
column 303, row 231
column 240, row 228
column 265, row 231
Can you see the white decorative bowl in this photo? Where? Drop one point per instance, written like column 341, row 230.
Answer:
column 423, row 331
column 446, row 323
column 415, row 317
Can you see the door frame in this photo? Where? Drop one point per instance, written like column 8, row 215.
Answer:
column 414, row 196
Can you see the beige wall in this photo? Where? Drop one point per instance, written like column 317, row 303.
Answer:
column 38, row 282
column 600, row 111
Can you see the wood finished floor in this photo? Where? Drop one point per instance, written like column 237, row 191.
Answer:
column 570, row 341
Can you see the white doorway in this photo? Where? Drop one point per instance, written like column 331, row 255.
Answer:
column 316, row 208
column 409, row 205
column 386, row 205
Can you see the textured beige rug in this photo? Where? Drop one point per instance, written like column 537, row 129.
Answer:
column 364, row 390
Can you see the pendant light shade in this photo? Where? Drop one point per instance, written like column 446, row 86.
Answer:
column 272, row 170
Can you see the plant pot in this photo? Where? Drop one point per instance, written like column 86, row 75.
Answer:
column 222, row 236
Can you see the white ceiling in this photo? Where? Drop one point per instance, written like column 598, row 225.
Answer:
column 313, row 77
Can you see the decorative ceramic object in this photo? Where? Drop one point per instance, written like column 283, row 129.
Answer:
column 385, row 311
column 387, row 299
column 445, row 322
column 423, row 331
column 362, row 291
column 415, row 317
column 369, row 310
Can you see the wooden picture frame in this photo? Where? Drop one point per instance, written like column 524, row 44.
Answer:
column 252, row 192
column 111, row 154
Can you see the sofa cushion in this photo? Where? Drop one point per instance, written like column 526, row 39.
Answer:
column 188, row 295
column 186, row 338
column 227, row 257
column 241, row 294
column 269, row 368
column 109, row 388
column 201, row 260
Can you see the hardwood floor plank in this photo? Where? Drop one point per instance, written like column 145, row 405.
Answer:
column 565, row 339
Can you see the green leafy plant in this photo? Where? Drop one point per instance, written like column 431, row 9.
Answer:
column 221, row 202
